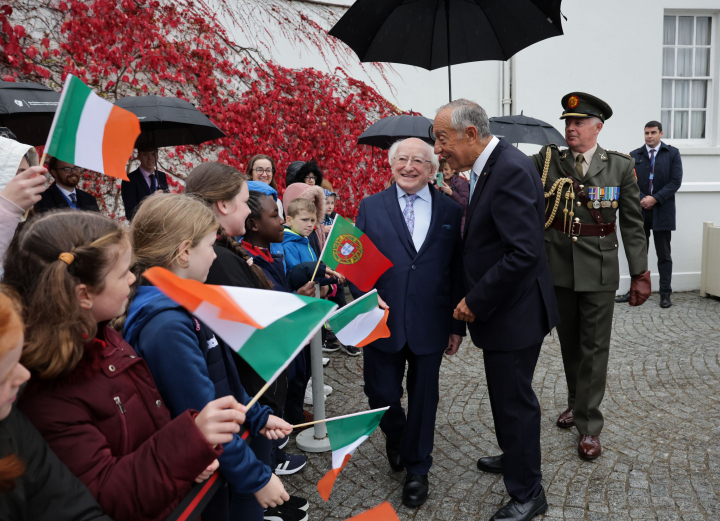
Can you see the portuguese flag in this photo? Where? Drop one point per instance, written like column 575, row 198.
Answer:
column 346, row 433
column 266, row 328
column 349, row 252
column 92, row 133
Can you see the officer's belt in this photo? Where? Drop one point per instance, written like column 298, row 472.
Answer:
column 584, row 229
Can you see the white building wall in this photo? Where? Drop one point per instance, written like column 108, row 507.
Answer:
column 612, row 49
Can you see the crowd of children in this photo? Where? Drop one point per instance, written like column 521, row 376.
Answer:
column 131, row 399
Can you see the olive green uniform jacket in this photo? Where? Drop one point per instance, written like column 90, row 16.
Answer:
column 591, row 263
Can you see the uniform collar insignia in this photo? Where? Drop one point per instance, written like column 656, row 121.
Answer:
column 603, row 156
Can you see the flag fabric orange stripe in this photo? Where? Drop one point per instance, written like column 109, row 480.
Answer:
column 380, row 331
column 191, row 293
column 121, row 129
column 325, row 485
column 382, row 512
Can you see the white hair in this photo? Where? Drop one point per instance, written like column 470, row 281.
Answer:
column 430, row 152
column 466, row 113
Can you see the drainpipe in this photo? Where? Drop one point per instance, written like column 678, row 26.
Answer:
column 506, row 95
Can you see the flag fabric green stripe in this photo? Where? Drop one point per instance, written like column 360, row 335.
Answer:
column 344, row 431
column 350, row 312
column 270, row 349
column 341, row 227
column 62, row 144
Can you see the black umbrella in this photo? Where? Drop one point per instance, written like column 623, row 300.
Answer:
column 170, row 122
column 440, row 33
column 384, row 133
column 522, row 129
column 28, row 110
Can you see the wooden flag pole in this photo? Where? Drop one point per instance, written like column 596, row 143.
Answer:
column 308, row 423
column 42, row 163
column 323, row 250
column 258, row 395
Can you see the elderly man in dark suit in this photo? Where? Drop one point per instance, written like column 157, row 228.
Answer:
column 509, row 302
column 143, row 181
column 658, row 168
column 418, row 229
column 64, row 193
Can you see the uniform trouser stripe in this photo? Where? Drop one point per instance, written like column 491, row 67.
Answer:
column 584, row 331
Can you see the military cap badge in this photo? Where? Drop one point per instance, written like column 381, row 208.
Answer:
column 573, row 102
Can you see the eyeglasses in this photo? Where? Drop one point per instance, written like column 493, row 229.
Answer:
column 263, row 171
column 415, row 161
column 67, row 169
column 309, row 177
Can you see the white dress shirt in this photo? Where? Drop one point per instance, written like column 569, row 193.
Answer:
column 422, row 207
column 477, row 168
column 656, row 149
column 147, row 175
column 67, row 193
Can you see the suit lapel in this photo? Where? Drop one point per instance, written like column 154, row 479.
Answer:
column 482, row 177
column 145, row 189
column 58, row 197
column 437, row 216
column 398, row 221
column 599, row 160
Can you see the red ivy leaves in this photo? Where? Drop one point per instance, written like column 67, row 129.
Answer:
column 133, row 47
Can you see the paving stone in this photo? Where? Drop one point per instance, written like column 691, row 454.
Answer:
column 662, row 415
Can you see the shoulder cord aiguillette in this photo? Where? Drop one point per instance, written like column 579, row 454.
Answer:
column 557, row 187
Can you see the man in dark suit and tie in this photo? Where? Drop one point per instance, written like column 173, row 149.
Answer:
column 658, row 168
column 418, row 229
column 509, row 302
column 144, row 181
column 64, row 193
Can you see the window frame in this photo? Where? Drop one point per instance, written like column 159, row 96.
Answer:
column 711, row 78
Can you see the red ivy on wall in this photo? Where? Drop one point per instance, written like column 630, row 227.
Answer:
column 136, row 47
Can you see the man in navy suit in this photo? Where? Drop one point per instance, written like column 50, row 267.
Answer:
column 144, row 181
column 510, row 303
column 64, row 193
column 418, row 229
column 658, row 168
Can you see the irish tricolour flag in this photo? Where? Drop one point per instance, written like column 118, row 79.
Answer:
column 361, row 322
column 346, row 433
column 351, row 253
column 90, row 132
column 266, row 328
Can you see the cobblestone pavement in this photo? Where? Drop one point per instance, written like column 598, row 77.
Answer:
column 661, row 436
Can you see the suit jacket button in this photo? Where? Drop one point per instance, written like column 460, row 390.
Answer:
column 574, row 239
column 158, row 403
column 413, row 267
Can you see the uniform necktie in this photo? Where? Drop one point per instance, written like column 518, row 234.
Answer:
column 473, row 181
column 153, row 186
column 579, row 165
column 409, row 212
column 652, row 169
column 73, row 200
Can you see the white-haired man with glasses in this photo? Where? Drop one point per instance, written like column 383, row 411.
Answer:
column 64, row 193
column 418, row 229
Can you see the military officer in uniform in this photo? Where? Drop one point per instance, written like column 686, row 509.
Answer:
column 585, row 188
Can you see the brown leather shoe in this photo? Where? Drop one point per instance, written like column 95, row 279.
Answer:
column 566, row 419
column 589, row 446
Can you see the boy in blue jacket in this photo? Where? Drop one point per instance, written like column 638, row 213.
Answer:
column 299, row 224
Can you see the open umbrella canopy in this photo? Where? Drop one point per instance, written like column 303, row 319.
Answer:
column 28, row 110
column 383, row 133
column 170, row 122
column 439, row 33
column 523, row 129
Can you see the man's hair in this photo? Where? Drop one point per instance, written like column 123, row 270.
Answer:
column 299, row 205
column 466, row 113
column 653, row 123
column 52, row 163
column 430, row 152
column 146, row 146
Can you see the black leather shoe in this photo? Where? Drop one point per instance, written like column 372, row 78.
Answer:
column 516, row 511
column 492, row 464
column 623, row 298
column 393, row 454
column 665, row 301
column 415, row 491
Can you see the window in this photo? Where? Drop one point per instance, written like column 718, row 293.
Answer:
column 686, row 76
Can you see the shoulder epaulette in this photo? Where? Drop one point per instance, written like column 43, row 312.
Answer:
column 626, row 156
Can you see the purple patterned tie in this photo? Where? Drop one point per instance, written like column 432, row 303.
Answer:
column 652, row 169
column 409, row 212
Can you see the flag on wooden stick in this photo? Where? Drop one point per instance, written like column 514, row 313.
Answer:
column 346, row 433
column 266, row 328
column 92, row 133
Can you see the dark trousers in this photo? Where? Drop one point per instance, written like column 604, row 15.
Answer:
column 244, row 507
column 415, row 433
column 299, row 376
column 516, row 414
column 662, row 249
column 584, row 331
